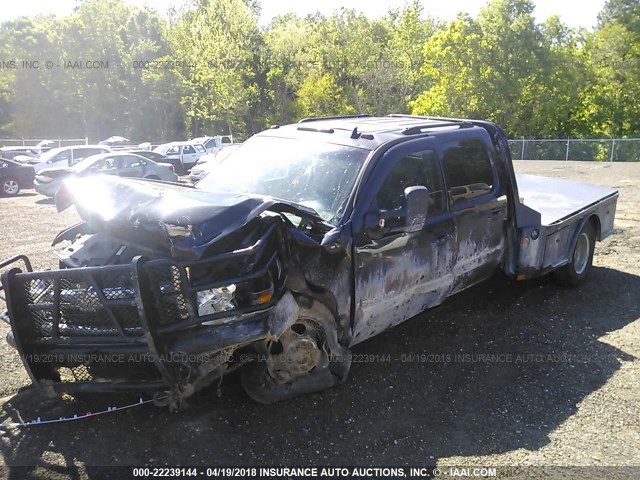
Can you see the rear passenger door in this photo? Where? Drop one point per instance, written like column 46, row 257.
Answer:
column 479, row 207
column 130, row 166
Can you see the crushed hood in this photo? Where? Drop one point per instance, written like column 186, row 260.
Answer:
column 182, row 219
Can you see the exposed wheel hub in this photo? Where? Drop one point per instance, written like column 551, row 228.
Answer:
column 299, row 353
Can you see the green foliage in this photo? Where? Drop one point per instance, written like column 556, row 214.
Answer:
column 208, row 68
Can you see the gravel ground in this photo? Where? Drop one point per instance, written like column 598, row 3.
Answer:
column 505, row 373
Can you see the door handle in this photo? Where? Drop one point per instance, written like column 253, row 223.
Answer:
column 496, row 212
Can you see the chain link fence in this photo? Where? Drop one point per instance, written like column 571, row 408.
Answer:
column 585, row 149
column 50, row 142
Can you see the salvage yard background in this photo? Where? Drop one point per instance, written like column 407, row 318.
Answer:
column 569, row 395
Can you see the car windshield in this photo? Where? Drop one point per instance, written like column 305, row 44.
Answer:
column 316, row 175
column 45, row 157
column 163, row 149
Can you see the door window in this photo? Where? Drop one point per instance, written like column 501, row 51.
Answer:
column 82, row 153
column 173, row 151
column 212, row 143
column 467, row 167
column 64, row 156
column 129, row 161
column 104, row 164
column 416, row 169
column 188, row 149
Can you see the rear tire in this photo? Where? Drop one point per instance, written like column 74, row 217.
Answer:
column 577, row 270
column 10, row 187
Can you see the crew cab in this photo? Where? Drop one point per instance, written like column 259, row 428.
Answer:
column 309, row 239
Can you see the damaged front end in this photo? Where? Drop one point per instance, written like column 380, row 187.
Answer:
column 167, row 289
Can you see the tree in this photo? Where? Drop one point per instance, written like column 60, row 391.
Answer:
column 215, row 42
column 609, row 103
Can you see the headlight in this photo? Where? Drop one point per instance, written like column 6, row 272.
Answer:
column 216, row 300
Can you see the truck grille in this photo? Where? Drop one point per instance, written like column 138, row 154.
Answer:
column 78, row 304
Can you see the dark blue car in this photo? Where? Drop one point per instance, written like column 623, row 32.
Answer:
column 14, row 176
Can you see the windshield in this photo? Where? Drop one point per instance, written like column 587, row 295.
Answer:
column 45, row 157
column 317, row 175
column 163, row 149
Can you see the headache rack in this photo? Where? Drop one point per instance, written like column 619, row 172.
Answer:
column 111, row 326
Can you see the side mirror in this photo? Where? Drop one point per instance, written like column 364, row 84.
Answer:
column 408, row 219
column 417, row 206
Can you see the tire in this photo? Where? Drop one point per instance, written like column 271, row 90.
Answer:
column 10, row 187
column 332, row 368
column 575, row 273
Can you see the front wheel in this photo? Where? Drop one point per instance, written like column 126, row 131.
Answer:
column 307, row 358
column 10, row 187
column 577, row 270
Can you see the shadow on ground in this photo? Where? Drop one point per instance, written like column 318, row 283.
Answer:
column 413, row 395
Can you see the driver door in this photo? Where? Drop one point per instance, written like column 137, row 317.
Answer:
column 399, row 274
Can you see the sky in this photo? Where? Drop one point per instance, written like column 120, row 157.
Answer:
column 574, row 13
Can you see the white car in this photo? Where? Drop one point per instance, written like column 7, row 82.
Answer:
column 209, row 161
column 187, row 153
column 65, row 157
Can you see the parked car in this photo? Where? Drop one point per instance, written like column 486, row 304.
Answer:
column 214, row 144
column 10, row 153
column 14, row 176
column 159, row 158
column 208, row 162
column 48, row 181
column 63, row 157
column 186, row 153
column 308, row 240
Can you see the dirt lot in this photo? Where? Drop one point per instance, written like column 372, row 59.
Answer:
column 552, row 377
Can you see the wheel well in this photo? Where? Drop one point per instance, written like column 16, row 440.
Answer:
column 595, row 223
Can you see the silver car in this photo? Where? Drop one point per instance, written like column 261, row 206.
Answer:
column 48, row 181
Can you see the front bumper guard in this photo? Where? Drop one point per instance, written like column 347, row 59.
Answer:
column 136, row 326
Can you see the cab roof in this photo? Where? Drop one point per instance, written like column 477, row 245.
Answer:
column 365, row 131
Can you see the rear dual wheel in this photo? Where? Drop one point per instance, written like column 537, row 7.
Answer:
column 577, row 270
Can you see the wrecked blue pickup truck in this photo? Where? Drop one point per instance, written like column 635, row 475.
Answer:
column 305, row 241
